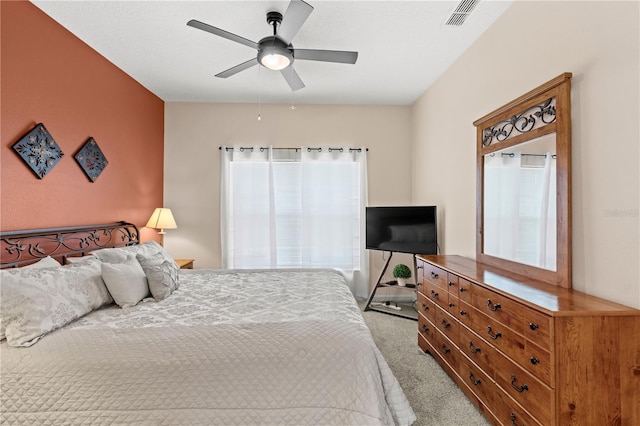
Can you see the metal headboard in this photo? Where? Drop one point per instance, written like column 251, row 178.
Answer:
column 20, row 248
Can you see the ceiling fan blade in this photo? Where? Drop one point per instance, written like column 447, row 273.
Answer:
column 222, row 33
column 340, row 56
column 292, row 77
column 235, row 70
column 295, row 16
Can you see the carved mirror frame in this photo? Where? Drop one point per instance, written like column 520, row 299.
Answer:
column 543, row 111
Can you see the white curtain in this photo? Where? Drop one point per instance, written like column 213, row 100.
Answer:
column 295, row 209
column 520, row 208
column 502, row 205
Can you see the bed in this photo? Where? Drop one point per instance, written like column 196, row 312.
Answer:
column 231, row 347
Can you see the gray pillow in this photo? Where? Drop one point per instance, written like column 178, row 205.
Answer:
column 162, row 274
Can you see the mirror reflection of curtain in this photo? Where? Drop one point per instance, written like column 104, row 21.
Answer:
column 520, row 208
column 300, row 211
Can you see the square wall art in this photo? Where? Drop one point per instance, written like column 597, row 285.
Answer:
column 91, row 159
column 39, row 150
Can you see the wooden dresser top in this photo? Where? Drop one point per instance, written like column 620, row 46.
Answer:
column 536, row 294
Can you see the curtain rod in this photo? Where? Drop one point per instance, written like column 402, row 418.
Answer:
column 511, row 154
column 262, row 148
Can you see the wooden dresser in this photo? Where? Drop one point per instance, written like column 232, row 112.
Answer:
column 526, row 352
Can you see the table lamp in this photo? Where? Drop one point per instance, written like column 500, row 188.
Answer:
column 162, row 219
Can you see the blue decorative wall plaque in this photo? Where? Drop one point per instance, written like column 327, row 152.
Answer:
column 39, row 150
column 91, row 159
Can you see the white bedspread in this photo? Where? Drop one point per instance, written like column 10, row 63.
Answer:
column 229, row 348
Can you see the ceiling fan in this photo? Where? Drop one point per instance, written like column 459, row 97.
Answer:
column 276, row 52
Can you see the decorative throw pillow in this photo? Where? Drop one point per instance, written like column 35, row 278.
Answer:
column 162, row 274
column 126, row 281
column 37, row 301
column 118, row 255
column 45, row 262
column 111, row 255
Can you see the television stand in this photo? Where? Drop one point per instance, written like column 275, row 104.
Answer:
column 407, row 310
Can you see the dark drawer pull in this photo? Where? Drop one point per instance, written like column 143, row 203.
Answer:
column 534, row 360
column 434, row 275
column 513, row 420
column 472, row 349
column 451, row 283
column 445, row 324
column 451, row 305
column 533, row 326
column 425, row 329
column 493, row 335
column 474, row 381
column 425, row 307
column 463, row 313
column 493, row 307
column 434, row 294
column 520, row 388
column 462, row 289
column 445, row 349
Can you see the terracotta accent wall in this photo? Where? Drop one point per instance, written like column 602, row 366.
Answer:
column 48, row 75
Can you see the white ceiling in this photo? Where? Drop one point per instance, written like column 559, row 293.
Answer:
column 403, row 46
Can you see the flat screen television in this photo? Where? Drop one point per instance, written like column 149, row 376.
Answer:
column 407, row 229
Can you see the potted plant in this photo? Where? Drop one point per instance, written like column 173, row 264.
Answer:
column 401, row 273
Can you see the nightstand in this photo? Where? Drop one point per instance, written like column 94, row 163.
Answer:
column 185, row 263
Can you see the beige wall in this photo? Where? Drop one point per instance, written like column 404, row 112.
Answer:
column 194, row 131
column 532, row 42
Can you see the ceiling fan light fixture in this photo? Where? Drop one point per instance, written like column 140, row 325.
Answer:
column 274, row 56
column 275, row 61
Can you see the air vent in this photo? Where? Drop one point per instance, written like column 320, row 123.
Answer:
column 461, row 13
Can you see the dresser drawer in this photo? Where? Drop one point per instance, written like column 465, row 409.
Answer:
column 497, row 334
column 537, row 361
column 453, row 304
column 426, row 329
column 422, row 343
column 502, row 309
column 436, row 294
column 525, row 389
column 477, row 380
column 435, row 275
column 538, row 328
column 509, row 412
column 477, row 350
column 464, row 290
column 468, row 315
column 447, row 350
column 447, row 325
column 426, row 307
column 452, row 283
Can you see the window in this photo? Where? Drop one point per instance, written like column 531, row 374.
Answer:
column 288, row 208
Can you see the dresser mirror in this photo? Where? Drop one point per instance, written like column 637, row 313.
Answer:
column 523, row 193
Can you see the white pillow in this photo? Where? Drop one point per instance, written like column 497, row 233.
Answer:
column 162, row 274
column 126, row 281
column 45, row 262
column 118, row 255
column 37, row 301
column 111, row 255
column 81, row 259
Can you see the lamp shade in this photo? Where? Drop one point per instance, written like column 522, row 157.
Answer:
column 162, row 219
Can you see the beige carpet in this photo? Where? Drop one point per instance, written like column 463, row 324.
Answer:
column 435, row 398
